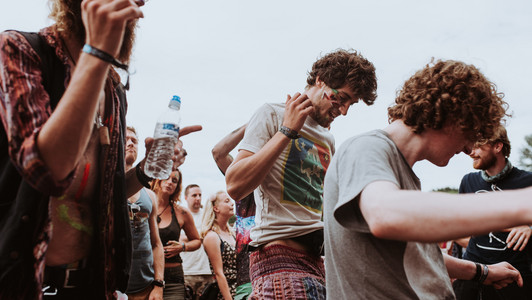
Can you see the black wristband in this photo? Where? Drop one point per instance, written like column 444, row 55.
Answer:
column 291, row 134
column 107, row 58
column 142, row 177
column 485, row 271
column 478, row 273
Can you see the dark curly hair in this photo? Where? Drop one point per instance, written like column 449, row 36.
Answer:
column 346, row 68
column 450, row 92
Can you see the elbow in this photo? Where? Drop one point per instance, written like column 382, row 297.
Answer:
column 215, row 153
column 234, row 192
column 381, row 228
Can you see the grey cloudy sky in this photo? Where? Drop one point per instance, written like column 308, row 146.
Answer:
column 226, row 58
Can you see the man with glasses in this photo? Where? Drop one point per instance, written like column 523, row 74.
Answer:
column 511, row 245
column 283, row 156
column 63, row 183
column 147, row 266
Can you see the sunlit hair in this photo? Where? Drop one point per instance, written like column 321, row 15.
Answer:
column 450, row 92
column 132, row 129
column 176, row 196
column 343, row 68
column 501, row 136
column 69, row 24
column 208, row 221
column 67, row 17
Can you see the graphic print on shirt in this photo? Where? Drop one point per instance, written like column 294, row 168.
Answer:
column 303, row 174
column 495, row 241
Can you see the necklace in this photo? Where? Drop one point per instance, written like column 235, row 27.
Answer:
column 497, row 177
column 159, row 215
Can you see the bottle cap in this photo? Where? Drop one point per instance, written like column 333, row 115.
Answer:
column 176, row 98
column 175, row 102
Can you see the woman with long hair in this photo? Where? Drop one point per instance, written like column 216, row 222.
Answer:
column 171, row 218
column 219, row 242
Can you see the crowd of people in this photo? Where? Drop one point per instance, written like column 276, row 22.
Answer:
column 80, row 221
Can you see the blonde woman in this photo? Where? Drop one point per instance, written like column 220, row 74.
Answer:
column 171, row 218
column 219, row 242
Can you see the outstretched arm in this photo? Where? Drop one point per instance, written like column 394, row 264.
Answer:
column 249, row 169
column 221, row 150
column 404, row 215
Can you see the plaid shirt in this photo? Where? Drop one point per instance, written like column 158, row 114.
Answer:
column 25, row 107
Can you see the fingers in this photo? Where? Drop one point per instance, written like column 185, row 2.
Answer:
column 189, row 129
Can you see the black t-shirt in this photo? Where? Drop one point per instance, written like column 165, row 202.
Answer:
column 491, row 248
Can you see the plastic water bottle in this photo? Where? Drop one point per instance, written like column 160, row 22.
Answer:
column 159, row 161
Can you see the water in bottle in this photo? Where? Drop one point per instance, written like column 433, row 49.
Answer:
column 159, row 161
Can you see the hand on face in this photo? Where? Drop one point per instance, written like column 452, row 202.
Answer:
column 105, row 22
column 297, row 108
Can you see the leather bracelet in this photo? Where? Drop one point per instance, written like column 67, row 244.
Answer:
column 107, row 58
column 485, row 271
column 142, row 177
column 290, row 133
column 478, row 272
column 103, row 56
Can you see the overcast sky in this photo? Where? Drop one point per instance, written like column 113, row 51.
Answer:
column 226, row 58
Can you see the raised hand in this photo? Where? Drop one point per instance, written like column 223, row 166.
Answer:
column 297, row 108
column 105, row 22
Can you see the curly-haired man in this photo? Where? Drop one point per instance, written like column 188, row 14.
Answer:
column 283, row 156
column 380, row 230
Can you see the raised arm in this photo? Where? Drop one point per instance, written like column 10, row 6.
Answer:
column 431, row 217
column 249, row 169
column 65, row 135
column 221, row 150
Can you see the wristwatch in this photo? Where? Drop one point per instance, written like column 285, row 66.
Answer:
column 290, row 133
column 159, row 282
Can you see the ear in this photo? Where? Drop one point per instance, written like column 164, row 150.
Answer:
column 319, row 83
column 498, row 147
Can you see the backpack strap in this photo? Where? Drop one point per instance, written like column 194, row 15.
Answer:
column 53, row 70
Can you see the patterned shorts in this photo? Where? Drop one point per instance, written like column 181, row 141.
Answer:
column 281, row 272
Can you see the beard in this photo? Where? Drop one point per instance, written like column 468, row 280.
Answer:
column 323, row 120
column 484, row 163
column 128, row 42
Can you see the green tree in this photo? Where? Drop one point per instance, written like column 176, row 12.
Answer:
column 525, row 160
column 449, row 190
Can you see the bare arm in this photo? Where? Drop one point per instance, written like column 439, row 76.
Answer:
column 157, row 248
column 211, row 244
column 499, row 275
column 249, row 169
column 221, row 150
column 65, row 135
column 397, row 214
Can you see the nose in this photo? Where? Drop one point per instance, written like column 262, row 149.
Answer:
column 344, row 108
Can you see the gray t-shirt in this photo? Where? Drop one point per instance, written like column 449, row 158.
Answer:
column 359, row 265
column 289, row 201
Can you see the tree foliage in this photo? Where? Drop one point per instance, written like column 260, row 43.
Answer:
column 525, row 161
column 449, row 190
